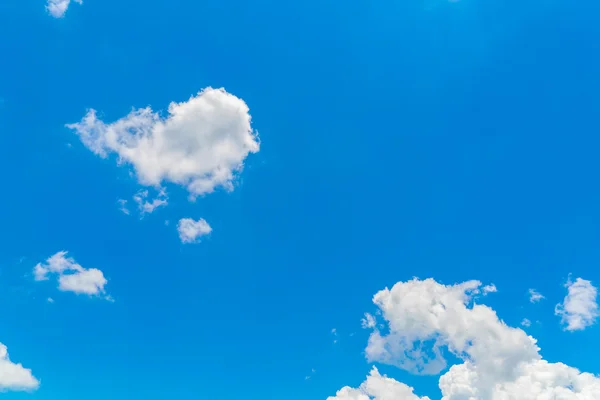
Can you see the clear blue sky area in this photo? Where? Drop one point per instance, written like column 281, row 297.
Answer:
column 398, row 139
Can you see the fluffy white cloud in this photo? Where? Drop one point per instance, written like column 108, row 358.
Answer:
column 71, row 276
column 15, row 376
column 579, row 309
column 190, row 230
column 378, row 387
column 201, row 144
column 535, row 380
column 423, row 313
column 499, row 362
column 535, row 296
column 58, row 8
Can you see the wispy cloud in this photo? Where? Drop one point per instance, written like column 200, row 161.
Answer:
column 535, row 296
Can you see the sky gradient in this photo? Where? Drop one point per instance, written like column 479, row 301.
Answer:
column 254, row 173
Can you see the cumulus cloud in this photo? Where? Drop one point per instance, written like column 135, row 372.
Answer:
column 190, row 230
column 58, row 8
column 15, row 376
column 535, row 296
column 201, row 144
column 71, row 276
column 378, row 387
column 579, row 309
column 424, row 317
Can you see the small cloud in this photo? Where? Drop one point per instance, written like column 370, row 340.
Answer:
column 71, row 276
column 147, row 205
column 526, row 322
column 312, row 372
column 489, row 289
column 190, row 231
column 123, row 206
column 58, row 8
column 50, row 300
column 368, row 322
column 579, row 309
column 535, row 296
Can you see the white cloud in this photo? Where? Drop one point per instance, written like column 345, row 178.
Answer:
column 368, row 322
column 71, row 276
column 500, row 362
column 533, row 380
column 526, row 323
column 579, row 309
column 146, row 205
column 58, row 8
column 190, row 230
column 535, row 296
column 378, row 387
column 15, row 376
column 201, row 144
column 123, row 206
column 489, row 289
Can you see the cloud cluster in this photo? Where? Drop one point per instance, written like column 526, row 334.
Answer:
column 147, row 204
column 190, row 231
column 424, row 317
column 71, row 276
column 15, row 376
column 58, row 8
column 579, row 309
column 201, row 144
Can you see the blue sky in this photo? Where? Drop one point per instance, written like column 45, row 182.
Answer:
column 388, row 140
